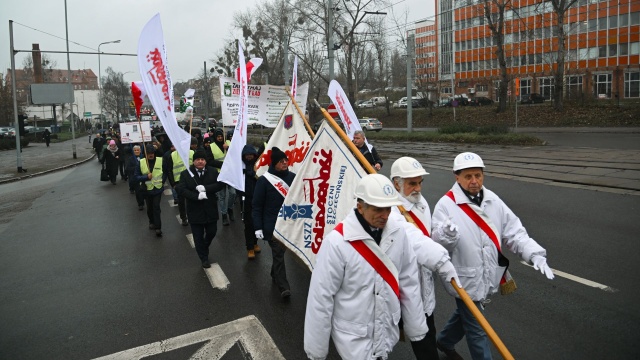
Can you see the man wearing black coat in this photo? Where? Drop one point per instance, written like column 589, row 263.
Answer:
column 202, row 210
column 249, row 158
column 267, row 201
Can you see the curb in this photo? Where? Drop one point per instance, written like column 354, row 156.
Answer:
column 24, row 177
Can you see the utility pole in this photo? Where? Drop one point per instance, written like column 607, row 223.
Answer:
column 73, row 129
column 15, row 100
column 205, row 98
column 410, row 51
column 330, row 38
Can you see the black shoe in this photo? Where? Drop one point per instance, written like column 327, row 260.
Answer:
column 175, row 202
column 152, row 227
column 158, row 232
column 451, row 353
column 285, row 294
column 205, row 264
column 225, row 220
column 185, row 222
column 140, row 207
column 230, row 213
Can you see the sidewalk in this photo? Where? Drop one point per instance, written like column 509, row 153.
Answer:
column 39, row 159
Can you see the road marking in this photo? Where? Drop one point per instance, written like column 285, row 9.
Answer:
column 190, row 238
column 252, row 338
column 216, row 276
column 171, row 203
column 167, row 192
column 579, row 279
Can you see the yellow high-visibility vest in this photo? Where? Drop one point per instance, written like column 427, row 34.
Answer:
column 218, row 154
column 156, row 180
column 178, row 165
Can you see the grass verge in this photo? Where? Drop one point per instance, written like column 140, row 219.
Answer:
column 462, row 138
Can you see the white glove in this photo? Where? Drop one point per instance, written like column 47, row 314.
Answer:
column 540, row 263
column 450, row 229
column 448, row 272
column 200, row 188
column 202, row 196
column 259, row 235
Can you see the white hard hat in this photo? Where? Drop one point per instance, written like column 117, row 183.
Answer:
column 377, row 190
column 407, row 167
column 467, row 160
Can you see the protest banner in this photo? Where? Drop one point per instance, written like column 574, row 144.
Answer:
column 320, row 196
column 290, row 136
column 135, row 132
column 266, row 102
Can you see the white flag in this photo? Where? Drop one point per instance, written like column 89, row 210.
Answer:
column 231, row 171
column 294, row 78
column 154, row 70
column 341, row 101
column 290, row 136
column 320, row 197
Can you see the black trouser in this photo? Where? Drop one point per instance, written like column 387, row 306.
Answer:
column 153, row 209
column 182, row 206
column 249, row 232
column 140, row 191
column 203, row 234
column 121, row 167
column 278, row 270
column 425, row 349
column 112, row 169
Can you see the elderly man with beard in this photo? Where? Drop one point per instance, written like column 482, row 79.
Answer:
column 407, row 176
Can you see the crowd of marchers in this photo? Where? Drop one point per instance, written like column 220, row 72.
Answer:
column 375, row 275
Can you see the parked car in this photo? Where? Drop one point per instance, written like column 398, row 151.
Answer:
column 358, row 102
column 370, row 124
column 480, row 101
column 462, row 101
column 379, row 100
column 317, row 124
column 5, row 131
column 532, row 99
column 366, row 104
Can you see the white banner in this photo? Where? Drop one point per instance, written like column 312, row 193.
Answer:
column 135, row 132
column 154, row 70
column 231, row 171
column 320, row 196
column 341, row 101
column 266, row 102
column 290, row 136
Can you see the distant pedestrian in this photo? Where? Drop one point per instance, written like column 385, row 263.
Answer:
column 150, row 173
column 90, row 131
column 111, row 158
column 98, row 142
column 47, row 136
column 249, row 158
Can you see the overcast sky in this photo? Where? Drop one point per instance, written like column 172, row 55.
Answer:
column 194, row 30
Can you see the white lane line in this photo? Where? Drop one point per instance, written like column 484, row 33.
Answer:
column 216, row 276
column 179, row 220
column 167, row 192
column 171, row 203
column 248, row 332
column 190, row 238
column 579, row 279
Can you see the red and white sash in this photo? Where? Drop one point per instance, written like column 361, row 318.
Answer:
column 484, row 222
column 414, row 219
column 377, row 258
column 277, row 183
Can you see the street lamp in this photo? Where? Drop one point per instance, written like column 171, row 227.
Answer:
column 100, row 77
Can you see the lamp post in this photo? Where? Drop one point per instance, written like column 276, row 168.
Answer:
column 100, row 78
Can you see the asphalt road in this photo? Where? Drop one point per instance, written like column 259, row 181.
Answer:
column 82, row 277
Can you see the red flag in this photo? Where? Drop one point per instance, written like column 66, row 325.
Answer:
column 252, row 66
column 138, row 92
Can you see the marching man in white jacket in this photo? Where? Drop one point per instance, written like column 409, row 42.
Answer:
column 365, row 278
column 476, row 226
column 407, row 176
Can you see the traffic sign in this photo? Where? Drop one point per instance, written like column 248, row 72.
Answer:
column 333, row 112
column 87, row 114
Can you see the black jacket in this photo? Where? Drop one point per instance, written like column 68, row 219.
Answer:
column 267, row 202
column 249, row 173
column 372, row 156
column 200, row 211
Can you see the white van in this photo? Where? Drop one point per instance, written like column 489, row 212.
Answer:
column 378, row 100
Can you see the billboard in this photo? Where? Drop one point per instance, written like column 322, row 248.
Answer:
column 51, row 94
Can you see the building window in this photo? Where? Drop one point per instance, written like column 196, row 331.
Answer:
column 482, row 88
column 547, row 85
column 613, row 21
column 602, row 86
column 634, row 48
column 573, row 86
column 525, row 87
column 445, row 90
column 632, row 85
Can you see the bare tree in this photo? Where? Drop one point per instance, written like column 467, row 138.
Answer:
column 494, row 13
column 560, row 8
column 115, row 93
column 6, row 103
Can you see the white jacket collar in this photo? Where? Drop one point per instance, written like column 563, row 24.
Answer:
column 461, row 197
column 352, row 229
